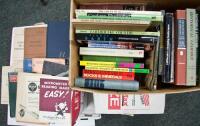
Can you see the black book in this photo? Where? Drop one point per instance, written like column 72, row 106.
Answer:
column 168, row 72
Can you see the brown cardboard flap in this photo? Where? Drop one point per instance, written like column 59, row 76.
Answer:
column 165, row 91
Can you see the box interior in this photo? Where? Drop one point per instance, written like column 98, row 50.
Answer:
column 157, row 5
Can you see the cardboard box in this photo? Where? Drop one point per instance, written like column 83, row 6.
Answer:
column 129, row 104
column 74, row 23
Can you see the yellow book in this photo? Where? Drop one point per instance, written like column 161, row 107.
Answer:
column 97, row 63
column 117, row 69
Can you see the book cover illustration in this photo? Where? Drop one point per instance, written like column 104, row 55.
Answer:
column 55, row 101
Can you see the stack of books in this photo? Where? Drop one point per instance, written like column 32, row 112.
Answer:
column 35, row 85
column 116, row 58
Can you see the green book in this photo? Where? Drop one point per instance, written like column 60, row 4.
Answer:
column 12, row 78
column 107, row 58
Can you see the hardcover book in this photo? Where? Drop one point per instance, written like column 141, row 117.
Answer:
column 191, row 47
column 35, row 42
column 180, row 50
column 168, row 72
column 58, row 40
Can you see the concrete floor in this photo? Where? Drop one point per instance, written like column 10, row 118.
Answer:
column 181, row 109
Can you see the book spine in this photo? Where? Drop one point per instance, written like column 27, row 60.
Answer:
column 181, row 56
column 107, row 58
column 130, row 65
column 172, row 52
column 116, row 37
column 109, row 46
column 111, row 64
column 113, row 7
column 107, row 84
column 114, row 32
column 145, row 71
column 198, row 49
column 166, row 78
column 85, row 12
column 191, row 47
column 108, row 75
column 111, row 52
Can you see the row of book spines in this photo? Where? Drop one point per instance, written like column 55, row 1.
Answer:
column 108, row 75
column 186, row 48
column 111, row 64
column 144, row 71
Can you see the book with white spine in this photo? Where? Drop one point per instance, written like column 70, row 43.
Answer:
column 111, row 52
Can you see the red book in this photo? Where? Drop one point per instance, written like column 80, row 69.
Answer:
column 108, row 75
column 180, row 48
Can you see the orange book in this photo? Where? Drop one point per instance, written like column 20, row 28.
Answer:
column 35, row 42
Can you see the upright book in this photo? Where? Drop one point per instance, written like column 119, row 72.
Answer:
column 35, row 42
column 180, row 50
column 58, row 40
column 191, row 47
column 168, row 72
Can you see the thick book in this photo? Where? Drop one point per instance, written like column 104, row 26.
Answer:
column 108, row 75
column 58, row 40
column 12, row 78
column 57, row 94
column 35, row 42
column 180, row 50
column 168, row 49
column 119, row 15
column 145, row 71
column 107, row 58
column 111, row 52
column 111, row 64
column 191, row 47
column 107, row 84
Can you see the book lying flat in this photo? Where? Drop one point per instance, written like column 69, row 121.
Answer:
column 35, row 42
column 111, row 52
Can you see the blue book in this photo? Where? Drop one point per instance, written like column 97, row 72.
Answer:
column 58, row 39
column 27, row 65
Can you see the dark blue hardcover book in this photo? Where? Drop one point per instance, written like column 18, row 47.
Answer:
column 58, row 39
column 168, row 47
column 27, row 65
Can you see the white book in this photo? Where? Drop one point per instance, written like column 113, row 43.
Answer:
column 112, row 52
column 191, row 47
column 153, row 13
